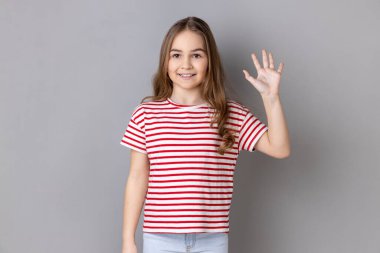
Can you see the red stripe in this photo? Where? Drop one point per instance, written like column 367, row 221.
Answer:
column 186, row 210
column 192, row 174
column 197, row 198
column 190, row 180
column 185, row 145
column 190, row 128
column 195, row 156
column 186, row 204
column 255, row 137
column 185, row 227
column 185, row 133
column 186, row 186
column 193, row 162
column 198, row 150
column 185, row 192
column 136, row 129
column 186, row 216
column 249, row 131
column 196, row 221
column 192, row 168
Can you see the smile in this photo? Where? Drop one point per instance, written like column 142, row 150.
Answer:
column 186, row 75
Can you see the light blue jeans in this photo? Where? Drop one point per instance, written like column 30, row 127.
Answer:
column 215, row 242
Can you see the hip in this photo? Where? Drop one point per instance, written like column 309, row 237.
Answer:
column 215, row 242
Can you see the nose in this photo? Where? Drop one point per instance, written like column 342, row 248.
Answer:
column 186, row 63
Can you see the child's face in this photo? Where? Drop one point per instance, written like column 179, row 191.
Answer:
column 183, row 60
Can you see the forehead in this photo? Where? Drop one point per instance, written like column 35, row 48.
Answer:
column 188, row 41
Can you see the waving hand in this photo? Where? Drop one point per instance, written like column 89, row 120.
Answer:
column 268, row 79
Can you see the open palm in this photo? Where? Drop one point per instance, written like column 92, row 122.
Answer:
column 267, row 81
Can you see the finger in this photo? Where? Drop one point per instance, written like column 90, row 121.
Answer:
column 280, row 68
column 256, row 62
column 248, row 76
column 265, row 59
column 271, row 63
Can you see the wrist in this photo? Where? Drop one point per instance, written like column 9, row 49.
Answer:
column 270, row 97
column 128, row 240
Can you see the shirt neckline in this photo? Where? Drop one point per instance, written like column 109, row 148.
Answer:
column 185, row 106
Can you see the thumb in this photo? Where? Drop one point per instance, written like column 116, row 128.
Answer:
column 248, row 76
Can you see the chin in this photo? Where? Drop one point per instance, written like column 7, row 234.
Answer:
column 188, row 87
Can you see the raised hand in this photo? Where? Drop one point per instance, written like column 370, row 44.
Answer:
column 267, row 81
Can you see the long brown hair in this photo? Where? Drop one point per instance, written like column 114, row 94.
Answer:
column 212, row 88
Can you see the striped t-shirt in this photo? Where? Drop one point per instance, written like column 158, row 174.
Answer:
column 190, row 185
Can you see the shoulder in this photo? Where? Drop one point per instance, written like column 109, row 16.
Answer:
column 147, row 106
column 236, row 106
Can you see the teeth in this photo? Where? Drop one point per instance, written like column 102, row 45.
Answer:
column 185, row 75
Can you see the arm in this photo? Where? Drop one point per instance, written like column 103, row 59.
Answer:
column 135, row 192
column 275, row 142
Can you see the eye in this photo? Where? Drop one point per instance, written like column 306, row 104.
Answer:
column 174, row 55
column 198, row 55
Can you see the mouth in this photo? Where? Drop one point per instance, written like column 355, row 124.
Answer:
column 186, row 75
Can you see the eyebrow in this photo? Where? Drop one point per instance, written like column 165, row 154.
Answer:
column 197, row 49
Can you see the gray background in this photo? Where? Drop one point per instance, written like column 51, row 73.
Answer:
column 71, row 73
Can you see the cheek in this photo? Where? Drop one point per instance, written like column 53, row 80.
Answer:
column 172, row 66
column 203, row 67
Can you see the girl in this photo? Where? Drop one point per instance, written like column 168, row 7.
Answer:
column 185, row 143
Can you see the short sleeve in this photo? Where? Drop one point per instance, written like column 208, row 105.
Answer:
column 250, row 132
column 134, row 135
